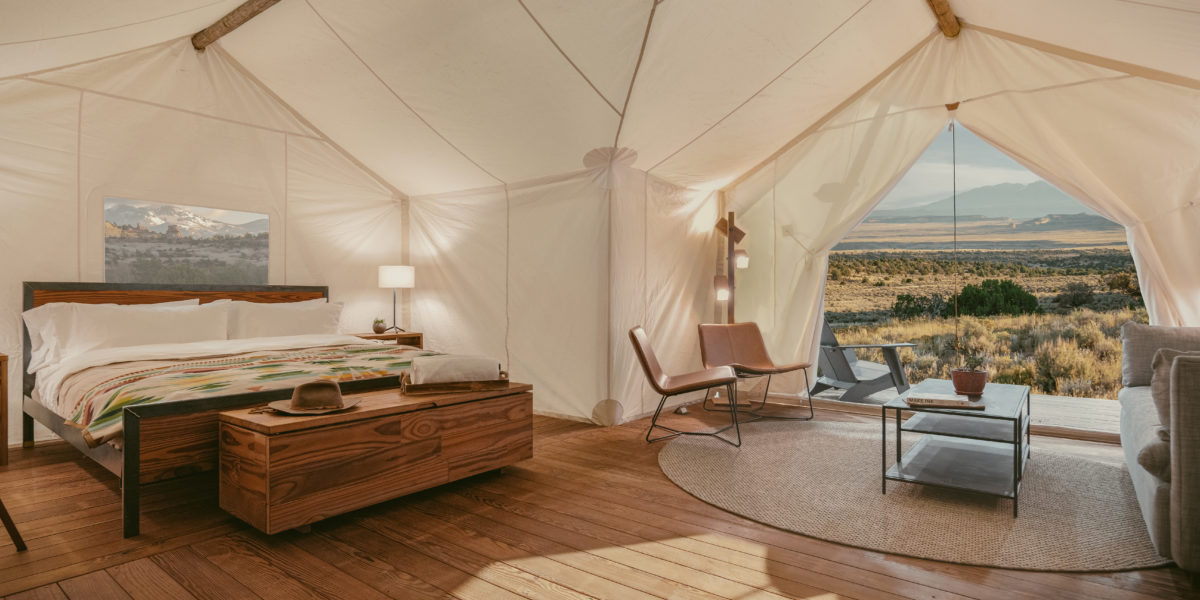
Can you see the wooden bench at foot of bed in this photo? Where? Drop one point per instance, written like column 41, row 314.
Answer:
column 278, row 472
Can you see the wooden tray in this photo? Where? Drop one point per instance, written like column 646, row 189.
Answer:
column 409, row 388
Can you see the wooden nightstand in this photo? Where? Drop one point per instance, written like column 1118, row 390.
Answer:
column 407, row 338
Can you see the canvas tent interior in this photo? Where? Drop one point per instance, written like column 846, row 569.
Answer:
column 554, row 169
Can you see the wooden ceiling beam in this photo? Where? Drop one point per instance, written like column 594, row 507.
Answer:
column 946, row 20
column 236, row 17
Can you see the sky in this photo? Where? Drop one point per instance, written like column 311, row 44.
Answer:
column 233, row 217
column 979, row 164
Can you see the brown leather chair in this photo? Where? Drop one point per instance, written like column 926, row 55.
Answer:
column 741, row 346
column 673, row 385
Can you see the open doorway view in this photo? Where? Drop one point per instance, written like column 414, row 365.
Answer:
column 1043, row 283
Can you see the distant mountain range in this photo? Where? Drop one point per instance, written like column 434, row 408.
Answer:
column 159, row 216
column 1003, row 201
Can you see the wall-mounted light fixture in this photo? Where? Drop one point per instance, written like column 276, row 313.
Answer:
column 741, row 259
column 721, row 285
column 734, row 259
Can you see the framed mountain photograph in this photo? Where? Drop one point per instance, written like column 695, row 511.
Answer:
column 152, row 242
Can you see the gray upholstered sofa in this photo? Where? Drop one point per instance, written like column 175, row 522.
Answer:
column 1162, row 442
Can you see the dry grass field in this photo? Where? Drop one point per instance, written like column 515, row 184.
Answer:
column 1065, row 350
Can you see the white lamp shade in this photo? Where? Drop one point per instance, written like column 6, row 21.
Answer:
column 396, row 276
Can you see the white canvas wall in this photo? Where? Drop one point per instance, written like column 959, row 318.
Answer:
column 68, row 139
column 550, row 276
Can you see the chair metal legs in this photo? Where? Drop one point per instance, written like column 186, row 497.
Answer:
column 675, row 432
column 754, row 411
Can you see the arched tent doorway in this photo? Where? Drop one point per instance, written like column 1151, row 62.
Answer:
column 1078, row 125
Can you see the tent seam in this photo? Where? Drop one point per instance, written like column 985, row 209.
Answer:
column 113, row 28
column 321, row 136
column 1094, row 60
column 764, row 87
column 633, row 78
column 825, row 118
column 68, row 86
column 93, row 60
column 395, row 94
column 568, row 58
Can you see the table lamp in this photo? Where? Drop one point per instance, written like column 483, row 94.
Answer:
column 396, row 276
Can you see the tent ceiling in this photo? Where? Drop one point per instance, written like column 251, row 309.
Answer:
column 437, row 96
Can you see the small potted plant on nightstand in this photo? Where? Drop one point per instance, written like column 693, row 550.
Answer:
column 969, row 379
column 379, row 326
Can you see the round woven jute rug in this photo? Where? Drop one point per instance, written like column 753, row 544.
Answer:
column 820, row 479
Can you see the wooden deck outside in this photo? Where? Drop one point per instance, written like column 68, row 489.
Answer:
column 590, row 515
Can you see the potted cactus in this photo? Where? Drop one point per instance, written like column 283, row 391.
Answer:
column 379, row 326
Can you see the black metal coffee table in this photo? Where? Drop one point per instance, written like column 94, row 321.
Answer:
column 964, row 449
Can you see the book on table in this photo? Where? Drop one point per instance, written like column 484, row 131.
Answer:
column 936, row 400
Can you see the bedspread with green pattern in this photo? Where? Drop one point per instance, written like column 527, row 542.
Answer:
column 97, row 396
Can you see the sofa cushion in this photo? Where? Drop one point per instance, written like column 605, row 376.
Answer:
column 1140, row 342
column 1141, row 432
column 1160, row 383
column 1142, row 394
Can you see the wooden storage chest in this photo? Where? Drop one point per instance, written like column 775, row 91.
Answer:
column 278, row 472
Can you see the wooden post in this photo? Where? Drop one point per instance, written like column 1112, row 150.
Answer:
column 730, row 266
column 3, row 409
column 947, row 22
column 236, row 17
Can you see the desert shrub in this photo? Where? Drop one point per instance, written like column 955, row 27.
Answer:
column 1077, row 294
column 908, row 306
column 1061, row 362
column 1077, row 361
column 993, row 297
column 1126, row 282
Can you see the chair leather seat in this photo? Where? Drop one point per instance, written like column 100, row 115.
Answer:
column 697, row 380
column 768, row 369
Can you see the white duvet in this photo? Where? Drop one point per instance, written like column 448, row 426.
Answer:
column 51, row 377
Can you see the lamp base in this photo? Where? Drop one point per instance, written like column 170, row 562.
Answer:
column 394, row 328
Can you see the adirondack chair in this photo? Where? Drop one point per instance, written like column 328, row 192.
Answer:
column 841, row 369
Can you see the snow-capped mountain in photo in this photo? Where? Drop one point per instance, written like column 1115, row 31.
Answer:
column 157, row 218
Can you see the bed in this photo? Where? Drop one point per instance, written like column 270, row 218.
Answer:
column 166, row 440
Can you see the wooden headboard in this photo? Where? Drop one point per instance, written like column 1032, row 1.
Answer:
column 37, row 293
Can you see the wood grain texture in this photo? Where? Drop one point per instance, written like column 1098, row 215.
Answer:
column 371, row 405
column 333, row 465
column 946, row 20
column 97, row 585
column 590, row 510
column 236, row 18
column 45, row 296
column 144, row 580
column 403, row 338
column 178, row 445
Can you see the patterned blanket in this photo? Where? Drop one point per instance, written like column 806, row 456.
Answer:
column 95, row 397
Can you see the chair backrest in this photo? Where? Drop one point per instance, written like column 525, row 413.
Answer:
column 740, row 343
column 645, row 354
column 836, row 363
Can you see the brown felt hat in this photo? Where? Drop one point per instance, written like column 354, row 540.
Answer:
column 314, row 398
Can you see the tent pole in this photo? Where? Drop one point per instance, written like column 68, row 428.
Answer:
column 236, row 18
column 946, row 20
column 729, row 268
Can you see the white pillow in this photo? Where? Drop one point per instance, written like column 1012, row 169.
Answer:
column 45, row 323
column 101, row 326
column 266, row 319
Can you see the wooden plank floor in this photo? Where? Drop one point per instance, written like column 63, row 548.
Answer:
column 590, row 516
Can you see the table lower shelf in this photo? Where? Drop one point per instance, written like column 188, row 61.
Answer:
column 961, row 464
